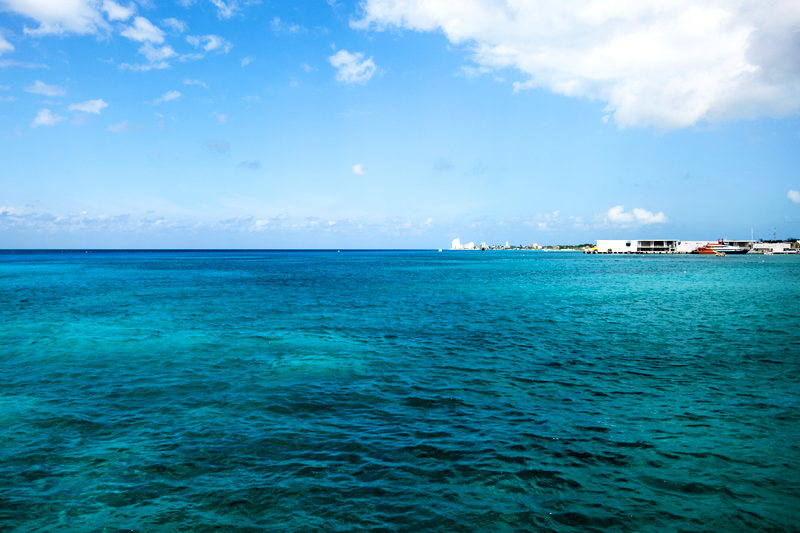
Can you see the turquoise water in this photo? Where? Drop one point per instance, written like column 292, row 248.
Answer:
column 398, row 391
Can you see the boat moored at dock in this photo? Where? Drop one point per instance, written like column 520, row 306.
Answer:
column 728, row 249
column 705, row 250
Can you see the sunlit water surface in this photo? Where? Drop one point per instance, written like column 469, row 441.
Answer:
column 398, row 391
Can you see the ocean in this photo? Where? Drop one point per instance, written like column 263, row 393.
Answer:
column 250, row 391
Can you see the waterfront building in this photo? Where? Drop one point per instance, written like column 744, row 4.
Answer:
column 664, row 246
column 774, row 247
column 636, row 247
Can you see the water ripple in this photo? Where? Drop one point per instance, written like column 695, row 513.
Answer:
column 261, row 391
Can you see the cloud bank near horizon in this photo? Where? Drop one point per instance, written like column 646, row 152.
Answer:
column 25, row 220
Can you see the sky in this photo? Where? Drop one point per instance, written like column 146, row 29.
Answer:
column 396, row 123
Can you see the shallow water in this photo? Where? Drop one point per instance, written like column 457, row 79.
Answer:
column 398, row 391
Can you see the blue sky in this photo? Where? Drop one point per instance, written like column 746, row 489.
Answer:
column 393, row 124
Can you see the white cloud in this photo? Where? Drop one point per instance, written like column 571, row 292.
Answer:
column 215, row 42
column 144, row 68
column 114, row 11
column 119, row 128
column 617, row 215
column 42, row 88
column 210, row 43
column 186, row 3
column 90, row 106
column 155, row 54
column 222, row 119
column 4, row 63
column 794, row 196
column 167, row 97
column 351, row 68
column 307, row 67
column 201, row 83
column 143, row 31
column 26, row 219
column 281, row 27
column 59, row 17
column 177, row 25
column 5, row 46
column 544, row 221
column 46, row 118
column 358, row 169
column 664, row 63
column 647, row 217
column 171, row 95
column 193, row 57
column 247, row 60
column 225, row 10
column 472, row 73
column 4, row 87
column 7, row 98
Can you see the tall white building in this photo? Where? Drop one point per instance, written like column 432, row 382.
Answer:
column 458, row 246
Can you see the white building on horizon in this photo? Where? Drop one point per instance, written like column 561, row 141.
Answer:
column 458, row 246
column 774, row 247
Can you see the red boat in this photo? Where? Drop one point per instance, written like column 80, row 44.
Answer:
column 705, row 250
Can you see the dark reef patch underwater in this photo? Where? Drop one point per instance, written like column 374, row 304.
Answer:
column 398, row 391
